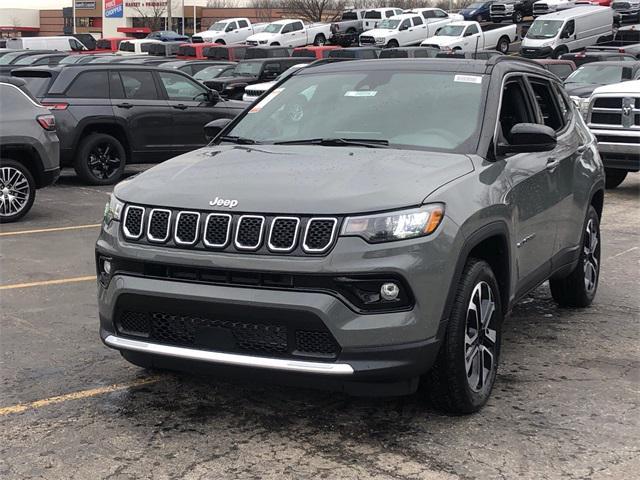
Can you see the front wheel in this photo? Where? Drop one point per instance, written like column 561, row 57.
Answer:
column 465, row 370
column 17, row 190
column 275, row 44
column 392, row 44
column 579, row 287
column 558, row 52
column 100, row 160
column 320, row 40
column 503, row 45
column 613, row 178
column 517, row 17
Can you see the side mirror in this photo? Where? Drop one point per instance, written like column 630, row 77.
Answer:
column 213, row 128
column 529, row 138
column 213, row 96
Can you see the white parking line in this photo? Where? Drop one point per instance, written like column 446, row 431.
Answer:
column 48, row 230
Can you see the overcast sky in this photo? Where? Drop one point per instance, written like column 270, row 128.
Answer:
column 35, row 3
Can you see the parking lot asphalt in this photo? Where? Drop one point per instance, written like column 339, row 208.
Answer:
column 566, row 402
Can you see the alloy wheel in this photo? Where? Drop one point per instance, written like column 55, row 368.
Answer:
column 591, row 251
column 480, row 341
column 104, row 160
column 14, row 191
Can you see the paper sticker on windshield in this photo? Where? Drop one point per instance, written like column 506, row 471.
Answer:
column 266, row 100
column 361, row 93
column 467, row 79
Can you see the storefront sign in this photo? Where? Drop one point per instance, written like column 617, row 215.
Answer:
column 113, row 9
column 85, row 5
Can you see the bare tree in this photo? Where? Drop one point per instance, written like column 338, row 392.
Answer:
column 314, row 10
column 223, row 4
column 265, row 9
column 152, row 17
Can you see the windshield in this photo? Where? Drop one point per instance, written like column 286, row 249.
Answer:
column 379, row 105
column 450, row 31
column 210, row 72
column 597, row 75
column 372, row 14
column 273, row 28
column 27, row 60
column 218, row 26
column 388, row 23
column 473, row 6
column 251, row 69
column 9, row 57
column 544, row 29
column 349, row 16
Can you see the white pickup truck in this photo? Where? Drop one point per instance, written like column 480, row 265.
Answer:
column 470, row 36
column 542, row 7
column 292, row 33
column 401, row 30
column 229, row 31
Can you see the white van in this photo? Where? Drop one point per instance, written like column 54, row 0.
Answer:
column 63, row 44
column 136, row 47
column 569, row 30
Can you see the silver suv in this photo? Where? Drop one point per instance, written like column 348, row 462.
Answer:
column 29, row 150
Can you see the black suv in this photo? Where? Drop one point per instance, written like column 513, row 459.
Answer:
column 248, row 72
column 114, row 114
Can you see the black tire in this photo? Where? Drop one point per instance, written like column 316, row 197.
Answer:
column 17, row 190
column 392, row 44
column 517, row 17
column 558, row 52
column 274, row 44
column 100, row 160
column 319, row 40
column 220, row 42
column 503, row 45
column 579, row 288
column 451, row 382
column 613, row 178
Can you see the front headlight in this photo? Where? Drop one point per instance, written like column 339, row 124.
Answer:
column 112, row 210
column 582, row 104
column 379, row 40
column 390, row 226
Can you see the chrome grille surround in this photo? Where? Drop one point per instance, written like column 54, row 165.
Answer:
column 176, row 237
column 239, row 232
column 127, row 232
column 150, row 236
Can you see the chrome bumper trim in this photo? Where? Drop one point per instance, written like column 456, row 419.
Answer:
column 229, row 358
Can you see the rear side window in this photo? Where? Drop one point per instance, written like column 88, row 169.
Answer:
column 90, row 85
column 389, row 13
column 298, row 26
column 138, row 85
column 243, row 23
column 38, row 86
column 417, row 21
column 440, row 14
column 547, row 104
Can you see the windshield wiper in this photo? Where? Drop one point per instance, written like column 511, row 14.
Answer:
column 338, row 142
column 239, row 140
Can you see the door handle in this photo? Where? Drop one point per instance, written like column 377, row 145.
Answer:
column 552, row 164
column 180, row 106
column 124, row 105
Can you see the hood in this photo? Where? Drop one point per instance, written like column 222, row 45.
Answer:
column 382, row 32
column 222, row 81
column 441, row 41
column 631, row 87
column 256, row 37
column 295, row 179
column 580, row 90
column 262, row 86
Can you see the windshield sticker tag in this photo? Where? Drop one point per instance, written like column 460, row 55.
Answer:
column 361, row 93
column 266, row 100
column 467, row 79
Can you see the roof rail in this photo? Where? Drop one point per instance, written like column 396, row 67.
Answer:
column 508, row 58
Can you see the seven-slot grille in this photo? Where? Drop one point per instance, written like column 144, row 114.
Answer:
column 222, row 231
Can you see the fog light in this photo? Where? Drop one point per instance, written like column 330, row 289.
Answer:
column 106, row 266
column 389, row 291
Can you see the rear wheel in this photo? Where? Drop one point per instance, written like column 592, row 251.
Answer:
column 503, row 45
column 517, row 17
column 613, row 178
column 100, row 160
column 462, row 378
column 320, row 40
column 579, row 287
column 17, row 190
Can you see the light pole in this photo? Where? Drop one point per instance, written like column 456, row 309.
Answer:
column 182, row 17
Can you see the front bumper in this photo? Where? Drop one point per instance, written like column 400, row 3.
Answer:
column 616, row 152
column 393, row 347
column 530, row 52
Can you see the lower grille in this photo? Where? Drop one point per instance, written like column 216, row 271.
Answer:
column 203, row 332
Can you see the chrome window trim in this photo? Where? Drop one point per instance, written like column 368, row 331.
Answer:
column 295, row 235
column 125, row 230
column 206, row 225
column 175, row 230
column 331, row 240
column 235, row 238
column 150, row 237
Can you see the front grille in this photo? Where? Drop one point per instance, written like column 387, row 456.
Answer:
column 206, row 332
column 621, row 6
column 608, row 102
column 249, row 232
column 187, row 224
column 272, row 234
column 197, row 39
column 283, row 234
column 367, row 40
column 253, row 93
column 319, row 234
column 606, row 118
column 619, row 112
column 133, row 221
column 497, row 8
column 540, row 7
column 159, row 225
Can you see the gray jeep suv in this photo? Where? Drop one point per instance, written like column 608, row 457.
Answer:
column 362, row 225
